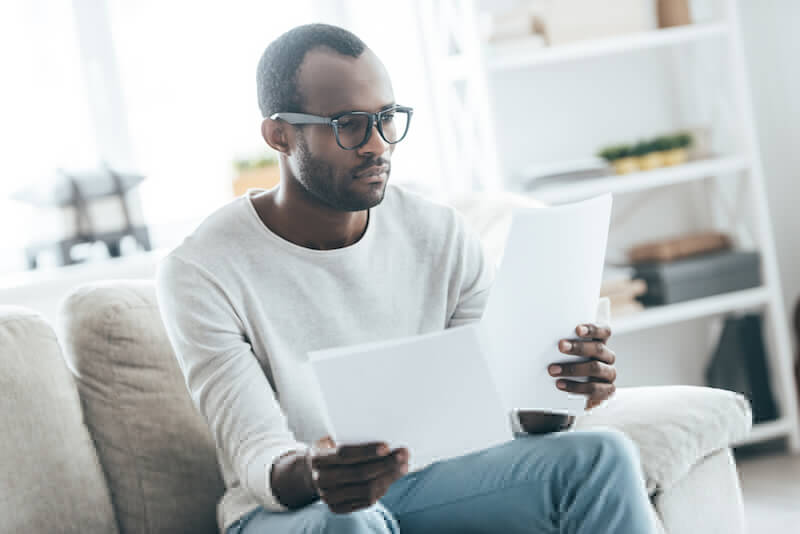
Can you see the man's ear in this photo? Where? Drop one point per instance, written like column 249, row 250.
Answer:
column 276, row 135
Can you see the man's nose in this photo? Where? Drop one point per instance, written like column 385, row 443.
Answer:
column 375, row 144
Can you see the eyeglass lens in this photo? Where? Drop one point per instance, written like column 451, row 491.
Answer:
column 352, row 128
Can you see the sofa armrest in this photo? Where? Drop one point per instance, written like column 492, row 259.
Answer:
column 674, row 427
column 711, row 486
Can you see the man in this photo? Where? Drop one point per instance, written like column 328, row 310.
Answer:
column 334, row 256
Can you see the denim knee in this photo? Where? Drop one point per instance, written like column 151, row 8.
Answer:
column 608, row 446
column 371, row 520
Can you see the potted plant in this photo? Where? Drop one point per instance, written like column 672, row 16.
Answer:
column 678, row 151
column 621, row 158
column 260, row 172
column 650, row 153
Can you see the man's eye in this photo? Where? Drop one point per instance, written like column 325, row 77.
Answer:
column 346, row 124
column 389, row 117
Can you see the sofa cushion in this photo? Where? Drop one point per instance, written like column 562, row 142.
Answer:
column 155, row 447
column 675, row 427
column 51, row 478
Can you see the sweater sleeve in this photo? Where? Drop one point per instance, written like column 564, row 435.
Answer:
column 473, row 277
column 223, row 376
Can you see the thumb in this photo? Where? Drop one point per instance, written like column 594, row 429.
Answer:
column 325, row 443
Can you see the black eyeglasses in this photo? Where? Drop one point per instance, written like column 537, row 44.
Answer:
column 353, row 128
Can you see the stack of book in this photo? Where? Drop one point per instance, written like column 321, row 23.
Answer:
column 621, row 288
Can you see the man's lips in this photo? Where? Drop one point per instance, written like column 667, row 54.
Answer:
column 374, row 171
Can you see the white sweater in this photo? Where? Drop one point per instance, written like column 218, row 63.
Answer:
column 242, row 307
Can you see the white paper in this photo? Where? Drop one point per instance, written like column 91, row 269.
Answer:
column 547, row 284
column 448, row 393
column 433, row 394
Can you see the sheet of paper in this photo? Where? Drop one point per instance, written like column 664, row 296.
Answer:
column 547, row 284
column 432, row 393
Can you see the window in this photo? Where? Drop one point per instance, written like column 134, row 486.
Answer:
column 180, row 78
column 45, row 118
column 188, row 72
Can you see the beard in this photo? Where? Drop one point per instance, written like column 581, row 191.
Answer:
column 319, row 179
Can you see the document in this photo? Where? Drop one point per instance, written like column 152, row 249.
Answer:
column 438, row 400
column 450, row 392
column 547, row 284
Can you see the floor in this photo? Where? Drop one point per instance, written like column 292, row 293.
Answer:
column 771, row 487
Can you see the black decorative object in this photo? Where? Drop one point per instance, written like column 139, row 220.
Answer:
column 698, row 276
column 797, row 338
column 739, row 363
column 75, row 195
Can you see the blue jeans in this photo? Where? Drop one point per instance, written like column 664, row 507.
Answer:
column 581, row 482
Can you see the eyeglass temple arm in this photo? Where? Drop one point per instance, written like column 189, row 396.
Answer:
column 300, row 118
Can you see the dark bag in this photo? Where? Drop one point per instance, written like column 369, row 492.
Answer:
column 797, row 334
column 739, row 363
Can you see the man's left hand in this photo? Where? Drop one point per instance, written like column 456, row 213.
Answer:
column 599, row 370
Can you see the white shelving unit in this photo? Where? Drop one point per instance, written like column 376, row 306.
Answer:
column 462, row 68
column 640, row 181
column 692, row 309
column 520, row 56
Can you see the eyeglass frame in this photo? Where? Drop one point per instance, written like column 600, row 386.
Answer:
column 374, row 119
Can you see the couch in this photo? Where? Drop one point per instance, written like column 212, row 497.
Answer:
column 98, row 433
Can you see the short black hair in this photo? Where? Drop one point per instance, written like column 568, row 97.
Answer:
column 277, row 70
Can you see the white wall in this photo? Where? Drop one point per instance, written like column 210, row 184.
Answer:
column 772, row 42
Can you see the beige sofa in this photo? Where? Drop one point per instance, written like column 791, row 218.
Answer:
column 102, row 437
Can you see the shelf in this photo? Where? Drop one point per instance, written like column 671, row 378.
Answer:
column 518, row 55
column 692, row 309
column 628, row 183
column 765, row 431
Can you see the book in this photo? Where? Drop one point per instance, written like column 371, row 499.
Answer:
column 679, row 247
column 619, row 289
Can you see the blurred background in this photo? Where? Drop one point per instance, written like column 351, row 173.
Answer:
column 125, row 123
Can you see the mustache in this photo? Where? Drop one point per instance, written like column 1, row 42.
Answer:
column 373, row 163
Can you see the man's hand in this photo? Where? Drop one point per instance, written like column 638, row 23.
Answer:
column 599, row 369
column 352, row 477
column 536, row 422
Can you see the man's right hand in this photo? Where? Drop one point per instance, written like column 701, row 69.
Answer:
column 352, row 477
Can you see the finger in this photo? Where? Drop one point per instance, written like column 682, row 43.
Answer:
column 594, row 331
column 589, row 349
column 592, row 368
column 364, row 450
column 330, row 477
column 592, row 389
column 351, row 454
column 592, row 403
column 368, row 492
column 349, row 507
column 325, row 443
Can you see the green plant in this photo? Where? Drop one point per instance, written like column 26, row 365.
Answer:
column 646, row 146
column 662, row 142
column 682, row 140
column 259, row 162
column 641, row 148
column 615, row 152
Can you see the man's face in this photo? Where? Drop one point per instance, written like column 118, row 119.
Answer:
column 330, row 83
